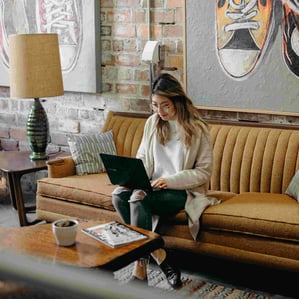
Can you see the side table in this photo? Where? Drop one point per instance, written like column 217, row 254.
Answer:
column 15, row 164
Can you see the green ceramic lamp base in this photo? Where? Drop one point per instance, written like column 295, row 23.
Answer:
column 38, row 131
column 38, row 156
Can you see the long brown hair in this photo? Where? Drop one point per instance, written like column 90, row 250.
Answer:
column 188, row 116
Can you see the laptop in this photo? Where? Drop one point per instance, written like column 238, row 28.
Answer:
column 126, row 171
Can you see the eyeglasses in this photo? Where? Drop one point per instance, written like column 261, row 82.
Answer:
column 164, row 107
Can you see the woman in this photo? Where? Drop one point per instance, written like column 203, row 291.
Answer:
column 177, row 155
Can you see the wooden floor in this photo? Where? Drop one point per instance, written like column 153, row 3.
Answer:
column 8, row 215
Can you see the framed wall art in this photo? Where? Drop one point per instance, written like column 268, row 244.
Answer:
column 78, row 27
column 243, row 54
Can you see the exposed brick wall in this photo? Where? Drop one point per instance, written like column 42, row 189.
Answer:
column 265, row 117
column 125, row 78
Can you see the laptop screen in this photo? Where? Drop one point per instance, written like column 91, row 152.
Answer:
column 126, row 171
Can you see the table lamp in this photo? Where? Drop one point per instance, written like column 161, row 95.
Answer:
column 35, row 72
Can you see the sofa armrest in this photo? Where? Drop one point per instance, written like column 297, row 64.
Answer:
column 61, row 167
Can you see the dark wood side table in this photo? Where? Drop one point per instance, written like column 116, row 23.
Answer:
column 15, row 164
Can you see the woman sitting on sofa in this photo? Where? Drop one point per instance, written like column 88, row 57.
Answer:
column 177, row 155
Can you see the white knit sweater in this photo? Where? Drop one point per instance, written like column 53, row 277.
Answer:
column 195, row 173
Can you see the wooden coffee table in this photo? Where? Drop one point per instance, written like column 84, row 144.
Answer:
column 38, row 241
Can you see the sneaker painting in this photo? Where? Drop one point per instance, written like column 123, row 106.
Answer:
column 63, row 17
column 6, row 28
column 290, row 30
column 13, row 20
column 244, row 28
column 4, row 34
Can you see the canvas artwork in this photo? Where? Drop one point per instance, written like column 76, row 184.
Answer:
column 244, row 32
column 249, row 49
column 78, row 32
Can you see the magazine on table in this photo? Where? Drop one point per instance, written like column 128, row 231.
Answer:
column 114, row 234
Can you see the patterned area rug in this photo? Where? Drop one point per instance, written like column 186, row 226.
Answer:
column 193, row 285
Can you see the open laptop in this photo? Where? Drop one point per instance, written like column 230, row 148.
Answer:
column 126, row 171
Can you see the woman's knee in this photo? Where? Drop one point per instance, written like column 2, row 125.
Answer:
column 137, row 195
column 120, row 199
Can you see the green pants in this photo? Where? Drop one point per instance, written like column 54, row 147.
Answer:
column 139, row 213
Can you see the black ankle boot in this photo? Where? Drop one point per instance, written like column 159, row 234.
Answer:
column 172, row 273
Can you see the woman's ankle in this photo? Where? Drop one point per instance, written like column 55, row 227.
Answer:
column 140, row 269
column 159, row 255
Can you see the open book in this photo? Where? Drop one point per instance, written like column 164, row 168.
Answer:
column 114, row 234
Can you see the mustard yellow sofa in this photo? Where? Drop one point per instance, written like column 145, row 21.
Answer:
column 256, row 223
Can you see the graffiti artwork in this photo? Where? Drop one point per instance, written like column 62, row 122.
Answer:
column 77, row 38
column 243, row 54
column 244, row 31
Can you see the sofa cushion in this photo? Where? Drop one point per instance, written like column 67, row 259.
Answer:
column 91, row 189
column 260, row 214
column 293, row 187
column 222, row 195
column 85, row 150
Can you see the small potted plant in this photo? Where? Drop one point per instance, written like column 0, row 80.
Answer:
column 65, row 231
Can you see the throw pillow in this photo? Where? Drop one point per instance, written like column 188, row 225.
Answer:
column 85, row 150
column 293, row 188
